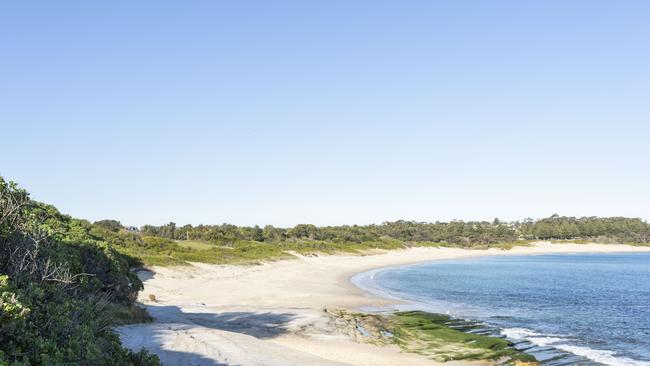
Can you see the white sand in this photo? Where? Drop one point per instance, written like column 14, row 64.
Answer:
column 272, row 314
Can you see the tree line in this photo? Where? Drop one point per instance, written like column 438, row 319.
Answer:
column 464, row 233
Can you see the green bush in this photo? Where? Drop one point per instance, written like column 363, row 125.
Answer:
column 60, row 287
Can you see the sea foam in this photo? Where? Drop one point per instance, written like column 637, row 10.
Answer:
column 561, row 343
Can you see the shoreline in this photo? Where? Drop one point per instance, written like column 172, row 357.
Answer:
column 272, row 314
column 527, row 339
column 395, row 300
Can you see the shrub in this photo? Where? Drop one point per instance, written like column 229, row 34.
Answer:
column 57, row 286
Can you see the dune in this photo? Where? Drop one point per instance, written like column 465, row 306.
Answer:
column 275, row 313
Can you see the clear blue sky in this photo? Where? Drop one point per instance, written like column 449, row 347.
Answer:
column 331, row 112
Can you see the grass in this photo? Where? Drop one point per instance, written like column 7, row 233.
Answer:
column 597, row 241
column 328, row 247
column 506, row 245
column 572, row 241
column 194, row 244
column 165, row 252
column 639, row 244
column 242, row 252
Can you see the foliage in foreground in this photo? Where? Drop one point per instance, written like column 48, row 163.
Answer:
column 59, row 288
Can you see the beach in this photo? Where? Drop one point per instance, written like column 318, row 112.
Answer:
column 275, row 313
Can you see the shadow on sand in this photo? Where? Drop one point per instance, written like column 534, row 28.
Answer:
column 261, row 325
column 171, row 319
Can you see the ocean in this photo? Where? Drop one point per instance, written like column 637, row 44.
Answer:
column 580, row 309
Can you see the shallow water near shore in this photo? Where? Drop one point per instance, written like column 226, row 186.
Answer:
column 589, row 309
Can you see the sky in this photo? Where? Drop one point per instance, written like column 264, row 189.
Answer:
column 327, row 112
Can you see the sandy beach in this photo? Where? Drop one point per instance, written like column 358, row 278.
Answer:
column 274, row 313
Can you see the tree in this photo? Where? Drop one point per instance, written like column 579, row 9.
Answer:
column 112, row 225
column 257, row 234
column 304, row 231
column 271, row 233
column 168, row 231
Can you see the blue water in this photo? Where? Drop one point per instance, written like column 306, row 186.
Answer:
column 596, row 306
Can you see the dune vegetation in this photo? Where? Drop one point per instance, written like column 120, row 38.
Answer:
column 226, row 243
